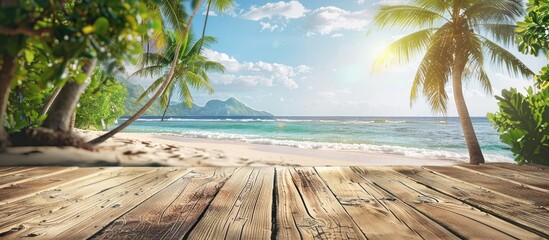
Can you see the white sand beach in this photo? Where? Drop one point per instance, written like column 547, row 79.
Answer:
column 140, row 149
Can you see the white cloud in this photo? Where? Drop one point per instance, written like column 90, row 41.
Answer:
column 326, row 20
column 270, row 27
column 359, row 2
column 256, row 73
column 287, row 10
column 337, row 35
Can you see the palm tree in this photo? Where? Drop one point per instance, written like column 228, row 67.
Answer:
column 454, row 37
column 191, row 70
column 182, row 28
column 220, row 6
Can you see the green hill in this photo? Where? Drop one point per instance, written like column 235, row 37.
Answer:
column 213, row 108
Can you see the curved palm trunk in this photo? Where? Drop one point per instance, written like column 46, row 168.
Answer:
column 62, row 109
column 205, row 23
column 52, row 98
column 6, row 75
column 165, row 110
column 475, row 153
column 160, row 90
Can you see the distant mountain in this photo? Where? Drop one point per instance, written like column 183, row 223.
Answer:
column 213, row 108
column 217, row 108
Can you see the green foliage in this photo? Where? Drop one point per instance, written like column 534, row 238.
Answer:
column 101, row 103
column 27, row 96
column 25, row 103
column 191, row 70
column 542, row 80
column 67, row 32
column 523, row 122
column 533, row 32
column 523, row 119
column 52, row 40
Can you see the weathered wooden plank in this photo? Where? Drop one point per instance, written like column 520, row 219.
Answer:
column 87, row 217
column 9, row 170
column 519, row 192
column 30, row 174
column 526, row 169
column 16, row 213
column 293, row 219
column 308, row 209
column 172, row 212
column 241, row 209
column 15, row 192
column 373, row 215
column 374, row 219
column 461, row 219
column 532, row 182
column 495, row 203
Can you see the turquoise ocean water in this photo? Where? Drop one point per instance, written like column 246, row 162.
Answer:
column 426, row 137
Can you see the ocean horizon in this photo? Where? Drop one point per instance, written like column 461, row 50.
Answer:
column 422, row 137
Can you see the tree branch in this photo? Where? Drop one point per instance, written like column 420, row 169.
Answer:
column 24, row 31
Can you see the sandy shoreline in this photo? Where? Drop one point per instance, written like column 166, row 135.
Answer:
column 141, row 149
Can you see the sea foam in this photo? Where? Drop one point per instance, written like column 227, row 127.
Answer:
column 353, row 147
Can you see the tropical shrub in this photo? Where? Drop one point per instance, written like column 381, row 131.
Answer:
column 102, row 102
column 523, row 121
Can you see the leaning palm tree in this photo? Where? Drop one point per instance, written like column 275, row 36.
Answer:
column 191, row 70
column 220, row 6
column 454, row 37
column 182, row 28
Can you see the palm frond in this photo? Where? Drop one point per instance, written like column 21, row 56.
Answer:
column 222, row 5
column 165, row 97
column 404, row 16
column 438, row 6
column 206, row 41
column 174, row 13
column 155, row 85
column 150, row 71
column 494, row 11
column 214, row 66
column 504, row 59
column 198, row 82
column 434, row 70
column 502, row 33
column 474, row 69
column 185, row 93
column 404, row 49
column 148, row 59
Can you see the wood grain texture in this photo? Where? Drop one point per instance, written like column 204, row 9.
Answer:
column 10, row 170
column 173, row 211
column 83, row 220
column 322, row 216
column 528, row 169
column 30, row 174
column 492, row 202
column 519, row 192
column 16, row 213
column 24, row 189
column 274, row 203
column 460, row 218
column 533, row 182
column 377, row 216
column 241, row 209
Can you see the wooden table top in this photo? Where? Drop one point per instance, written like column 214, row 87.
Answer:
column 491, row 201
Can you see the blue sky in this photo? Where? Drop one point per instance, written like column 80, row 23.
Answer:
column 314, row 58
